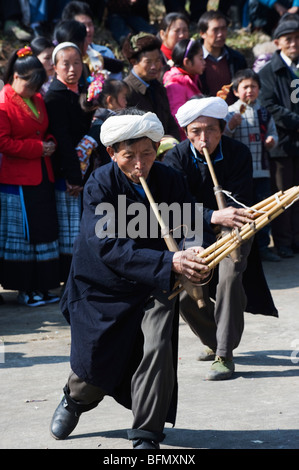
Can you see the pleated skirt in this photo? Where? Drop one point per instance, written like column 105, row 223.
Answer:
column 69, row 210
column 29, row 247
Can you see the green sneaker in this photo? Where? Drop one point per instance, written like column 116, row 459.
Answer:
column 206, row 355
column 221, row 369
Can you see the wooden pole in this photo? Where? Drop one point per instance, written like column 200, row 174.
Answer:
column 220, row 199
column 193, row 290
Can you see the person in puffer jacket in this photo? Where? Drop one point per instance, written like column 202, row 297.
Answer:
column 182, row 81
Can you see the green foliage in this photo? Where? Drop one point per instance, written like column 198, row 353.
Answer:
column 244, row 41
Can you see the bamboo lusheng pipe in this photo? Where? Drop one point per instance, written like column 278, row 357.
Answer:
column 250, row 228
column 224, row 242
column 220, row 199
column 169, row 240
column 256, row 210
column 193, row 290
column 224, row 246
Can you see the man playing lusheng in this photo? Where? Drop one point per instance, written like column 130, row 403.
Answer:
column 124, row 328
column 222, row 324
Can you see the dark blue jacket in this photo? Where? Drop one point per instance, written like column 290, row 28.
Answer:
column 233, row 170
column 111, row 279
column 68, row 123
column 282, row 101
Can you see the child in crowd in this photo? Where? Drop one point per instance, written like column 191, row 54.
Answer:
column 252, row 124
column 105, row 102
column 182, row 80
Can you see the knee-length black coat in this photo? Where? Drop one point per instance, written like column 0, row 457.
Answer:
column 112, row 278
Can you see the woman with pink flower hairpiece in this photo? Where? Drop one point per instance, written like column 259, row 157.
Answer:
column 28, row 225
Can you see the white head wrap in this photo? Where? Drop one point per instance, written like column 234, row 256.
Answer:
column 63, row 45
column 124, row 127
column 210, row 107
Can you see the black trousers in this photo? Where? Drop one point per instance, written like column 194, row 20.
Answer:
column 153, row 383
column 284, row 175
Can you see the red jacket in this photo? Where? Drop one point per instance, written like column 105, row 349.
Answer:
column 21, row 139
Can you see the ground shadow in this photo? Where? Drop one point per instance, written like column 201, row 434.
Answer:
column 214, row 439
column 284, row 274
column 19, row 360
column 16, row 319
column 265, row 356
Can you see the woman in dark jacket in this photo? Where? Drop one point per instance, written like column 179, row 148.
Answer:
column 68, row 123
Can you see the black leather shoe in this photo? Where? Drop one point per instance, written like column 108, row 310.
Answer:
column 64, row 420
column 67, row 414
column 145, row 444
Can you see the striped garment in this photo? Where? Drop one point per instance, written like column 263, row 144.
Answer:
column 14, row 244
column 252, row 133
column 69, row 216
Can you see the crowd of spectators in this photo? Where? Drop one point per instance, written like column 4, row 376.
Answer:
column 60, row 86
